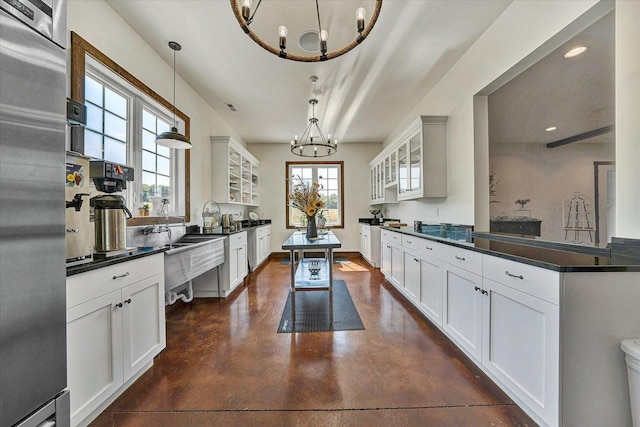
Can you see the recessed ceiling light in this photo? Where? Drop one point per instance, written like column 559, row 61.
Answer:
column 575, row 51
column 551, row 128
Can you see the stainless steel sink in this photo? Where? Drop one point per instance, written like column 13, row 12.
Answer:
column 189, row 258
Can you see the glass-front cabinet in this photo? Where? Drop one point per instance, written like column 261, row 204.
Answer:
column 234, row 173
column 422, row 159
column 390, row 165
column 403, row 169
column 377, row 183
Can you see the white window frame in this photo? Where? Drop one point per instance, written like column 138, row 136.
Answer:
column 137, row 100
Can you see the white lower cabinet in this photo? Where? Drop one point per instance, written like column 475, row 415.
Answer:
column 115, row 326
column 392, row 259
column 411, row 275
column 520, row 346
column 431, row 288
column 462, row 308
column 370, row 244
column 258, row 245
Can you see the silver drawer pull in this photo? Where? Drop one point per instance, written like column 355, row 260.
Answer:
column 416, row 260
column 122, row 275
column 428, row 248
column 460, row 258
column 521, row 277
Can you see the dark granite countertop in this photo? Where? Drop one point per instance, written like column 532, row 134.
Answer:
column 95, row 264
column 556, row 256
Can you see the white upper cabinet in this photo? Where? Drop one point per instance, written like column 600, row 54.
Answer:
column 422, row 159
column 234, row 173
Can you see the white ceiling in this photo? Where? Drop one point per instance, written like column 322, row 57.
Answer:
column 362, row 95
column 576, row 95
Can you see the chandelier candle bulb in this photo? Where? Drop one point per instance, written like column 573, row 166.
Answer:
column 246, row 9
column 324, row 35
column 282, row 34
column 361, row 14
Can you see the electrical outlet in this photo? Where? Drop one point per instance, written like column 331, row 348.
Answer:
column 437, row 212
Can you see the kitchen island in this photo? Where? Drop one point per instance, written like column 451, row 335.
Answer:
column 311, row 274
column 543, row 319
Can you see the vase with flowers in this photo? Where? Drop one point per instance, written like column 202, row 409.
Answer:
column 305, row 197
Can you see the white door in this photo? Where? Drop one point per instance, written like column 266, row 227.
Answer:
column 242, row 262
column 521, row 346
column 94, row 353
column 386, row 260
column 144, row 334
column 462, row 308
column 233, row 267
column 431, row 289
column 396, row 267
column 411, row 276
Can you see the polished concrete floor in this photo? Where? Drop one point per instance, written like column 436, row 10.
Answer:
column 225, row 365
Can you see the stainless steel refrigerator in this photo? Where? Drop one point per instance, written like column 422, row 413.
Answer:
column 33, row 368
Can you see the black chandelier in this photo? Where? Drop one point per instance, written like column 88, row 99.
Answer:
column 313, row 143
column 245, row 18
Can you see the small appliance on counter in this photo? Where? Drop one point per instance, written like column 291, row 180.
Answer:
column 78, row 226
column 111, row 212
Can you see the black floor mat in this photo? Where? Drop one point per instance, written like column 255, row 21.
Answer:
column 313, row 314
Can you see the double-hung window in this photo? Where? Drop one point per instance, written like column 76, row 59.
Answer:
column 122, row 125
column 330, row 177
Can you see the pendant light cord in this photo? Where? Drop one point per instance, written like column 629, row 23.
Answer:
column 319, row 25
column 174, row 89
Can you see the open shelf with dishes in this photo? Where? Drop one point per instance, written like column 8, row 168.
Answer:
column 234, row 176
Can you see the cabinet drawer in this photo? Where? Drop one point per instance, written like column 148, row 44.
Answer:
column 263, row 231
column 411, row 242
column 92, row 284
column 391, row 237
column 535, row 281
column 238, row 239
column 463, row 258
column 429, row 248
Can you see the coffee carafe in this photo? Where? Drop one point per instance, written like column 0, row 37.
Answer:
column 111, row 214
column 110, row 210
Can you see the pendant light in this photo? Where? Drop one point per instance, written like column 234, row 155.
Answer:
column 172, row 138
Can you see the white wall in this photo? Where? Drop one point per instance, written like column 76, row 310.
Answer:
column 356, row 159
column 627, row 119
column 97, row 23
column 557, row 174
column 521, row 29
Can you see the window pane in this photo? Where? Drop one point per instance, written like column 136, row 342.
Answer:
column 148, row 161
column 115, row 127
column 148, row 184
column 115, row 151
column 332, row 173
column 149, row 141
column 164, row 185
column 94, row 118
column 163, row 126
column 163, row 151
column 148, row 121
column 163, row 166
column 115, row 103
column 92, row 91
column 92, row 144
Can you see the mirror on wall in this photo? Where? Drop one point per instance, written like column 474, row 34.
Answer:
column 552, row 143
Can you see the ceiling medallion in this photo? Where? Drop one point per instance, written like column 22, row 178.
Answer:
column 313, row 143
column 245, row 18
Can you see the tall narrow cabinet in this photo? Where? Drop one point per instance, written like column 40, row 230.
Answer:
column 234, row 172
